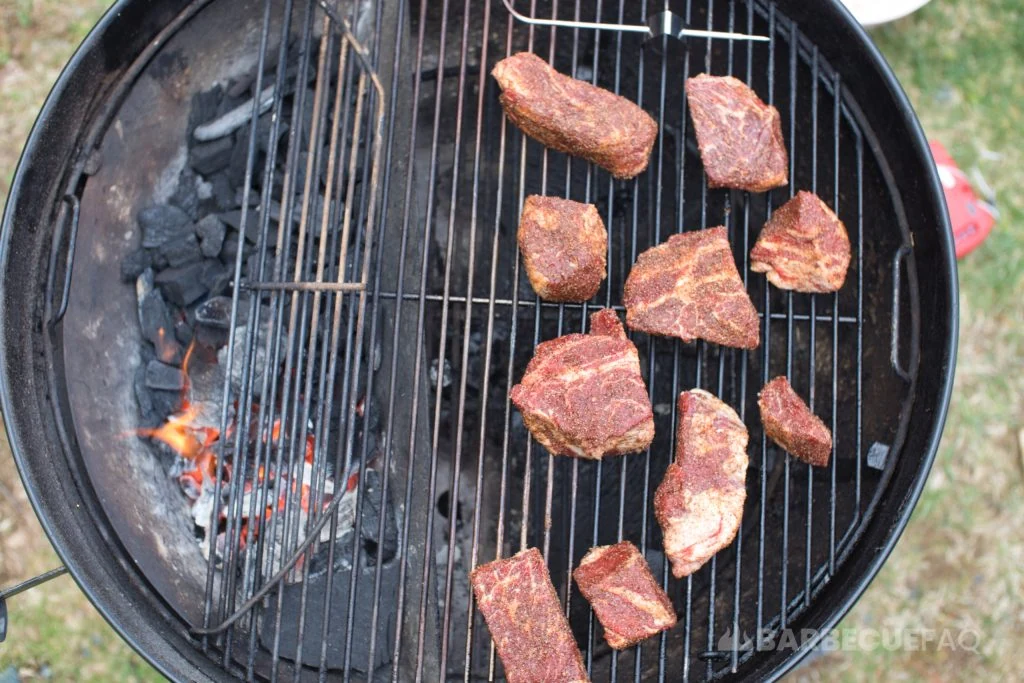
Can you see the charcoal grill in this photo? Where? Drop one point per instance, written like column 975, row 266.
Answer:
column 409, row 303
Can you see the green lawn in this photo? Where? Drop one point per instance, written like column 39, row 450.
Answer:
column 960, row 564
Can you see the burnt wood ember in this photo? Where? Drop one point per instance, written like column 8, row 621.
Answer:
column 699, row 503
column 740, row 137
column 526, row 621
column 564, row 245
column 575, row 117
column 583, row 394
column 629, row 603
column 803, row 247
column 790, row 423
column 163, row 223
column 689, row 287
column 216, row 312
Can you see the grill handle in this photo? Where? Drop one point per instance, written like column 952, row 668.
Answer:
column 897, row 269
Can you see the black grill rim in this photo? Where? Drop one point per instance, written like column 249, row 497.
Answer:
column 85, row 543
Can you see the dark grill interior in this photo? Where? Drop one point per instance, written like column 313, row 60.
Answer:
column 400, row 320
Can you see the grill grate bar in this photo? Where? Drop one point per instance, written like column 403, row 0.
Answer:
column 835, row 341
column 766, row 343
column 812, row 346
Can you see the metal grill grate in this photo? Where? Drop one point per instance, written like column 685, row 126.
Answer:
column 430, row 321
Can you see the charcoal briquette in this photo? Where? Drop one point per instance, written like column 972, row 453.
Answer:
column 182, row 250
column 182, row 286
column 186, row 193
column 209, row 157
column 165, row 377
column 134, row 263
column 211, row 231
column 162, row 223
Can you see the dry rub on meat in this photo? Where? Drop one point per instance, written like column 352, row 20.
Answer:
column 564, row 245
column 688, row 287
column 583, row 394
column 790, row 423
column 699, row 503
column 740, row 137
column 629, row 603
column 575, row 117
column 526, row 621
column 803, row 246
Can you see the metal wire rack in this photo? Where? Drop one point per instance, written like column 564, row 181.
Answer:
column 428, row 320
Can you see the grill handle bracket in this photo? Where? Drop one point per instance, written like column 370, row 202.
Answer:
column 897, row 270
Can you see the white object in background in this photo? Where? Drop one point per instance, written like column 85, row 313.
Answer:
column 874, row 12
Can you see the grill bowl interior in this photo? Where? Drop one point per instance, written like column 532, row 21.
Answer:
column 458, row 228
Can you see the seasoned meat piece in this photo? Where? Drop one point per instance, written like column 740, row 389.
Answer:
column 699, row 503
column 575, row 117
column 583, row 394
column 688, row 287
column 790, row 423
column 629, row 603
column 526, row 621
column 803, row 246
column 564, row 245
column 740, row 137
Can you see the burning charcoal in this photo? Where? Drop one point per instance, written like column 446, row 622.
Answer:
column 317, row 599
column 216, row 312
column 371, row 485
column 162, row 376
column 186, row 195
column 209, row 157
column 182, row 285
column 133, row 265
column 211, row 233
column 180, row 251
column 215, row 276
column 162, row 223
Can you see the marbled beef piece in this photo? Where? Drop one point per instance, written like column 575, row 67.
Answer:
column 629, row 603
column 575, row 117
column 564, row 245
column 699, row 503
column 526, row 621
column 790, row 423
column 803, row 246
column 740, row 137
column 583, row 394
column 688, row 287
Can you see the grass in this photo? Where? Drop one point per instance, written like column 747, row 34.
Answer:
column 959, row 563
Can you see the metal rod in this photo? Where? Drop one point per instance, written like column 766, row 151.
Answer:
column 664, row 21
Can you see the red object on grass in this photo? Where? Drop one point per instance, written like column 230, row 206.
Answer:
column 972, row 218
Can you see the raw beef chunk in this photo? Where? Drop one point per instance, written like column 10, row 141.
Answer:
column 564, row 245
column 790, row 423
